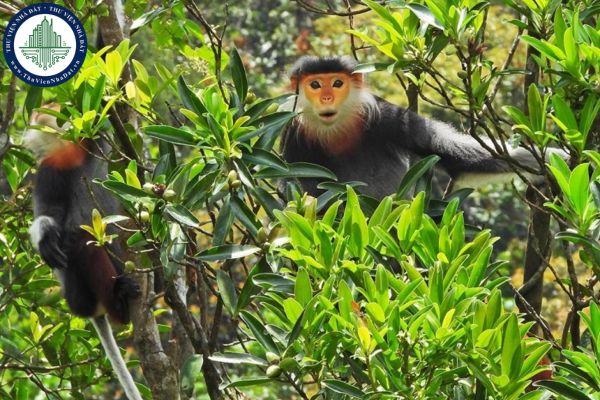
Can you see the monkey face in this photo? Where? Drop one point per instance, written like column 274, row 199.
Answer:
column 326, row 93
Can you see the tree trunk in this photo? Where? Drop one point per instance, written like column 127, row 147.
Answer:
column 538, row 234
column 161, row 373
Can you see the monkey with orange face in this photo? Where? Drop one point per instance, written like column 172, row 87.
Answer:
column 361, row 137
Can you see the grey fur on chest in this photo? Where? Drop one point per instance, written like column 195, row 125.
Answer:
column 380, row 171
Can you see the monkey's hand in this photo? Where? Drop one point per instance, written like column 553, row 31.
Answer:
column 47, row 239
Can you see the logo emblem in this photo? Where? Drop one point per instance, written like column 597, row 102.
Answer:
column 44, row 44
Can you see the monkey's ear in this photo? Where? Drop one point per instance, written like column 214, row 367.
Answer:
column 357, row 78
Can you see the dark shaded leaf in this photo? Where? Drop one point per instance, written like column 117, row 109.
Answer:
column 227, row 291
column 238, row 74
column 297, row 170
column 420, row 168
column 223, row 223
column 189, row 99
column 267, row 201
column 34, row 98
column 245, row 215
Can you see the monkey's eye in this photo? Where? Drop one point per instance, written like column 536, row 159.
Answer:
column 338, row 83
column 315, row 85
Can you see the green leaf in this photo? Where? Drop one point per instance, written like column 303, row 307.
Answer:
column 343, row 388
column 97, row 93
column 385, row 14
column 276, row 282
column 561, row 172
column 245, row 383
column 114, row 66
column 267, row 201
column 547, row 49
column 238, row 74
column 517, row 115
column 259, row 331
column 297, row 170
column 365, row 68
column 424, row 15
column 381, row 212
column 511, row 348
column 293, row 309
column 245, row 215
column 182, row 215
column 267, row 125
column 564, row 112
column 589, row 114
column 192, row 368
column 579, row 187
column 263, row 157
column 249, row 289
column 238, row 358
column 559, row 27
column 420, row 168
column 258, row 108
column 227, row 291
column 345, row 300
column 34, row 98
column 578, row 373
column 571, row 61
column 297, row 329
column 136, row 239
column 227, row 252
column 171, row 134
column 375, row 311
column 189, row 99
column 223, row 223
column 537, row 115
column 564, row 389
column 302, row 288
column 583, row 361
column 122, row 189
column 578, row 239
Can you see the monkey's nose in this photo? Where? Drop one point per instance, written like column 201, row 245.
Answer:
column 326, row 99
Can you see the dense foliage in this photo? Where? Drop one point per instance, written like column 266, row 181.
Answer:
column 252, row 289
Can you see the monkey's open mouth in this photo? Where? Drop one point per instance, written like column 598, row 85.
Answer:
column 328, row 116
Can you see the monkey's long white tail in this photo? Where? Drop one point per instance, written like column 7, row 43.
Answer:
column 114, row 355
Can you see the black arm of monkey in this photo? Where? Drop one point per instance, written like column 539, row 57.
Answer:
column 468, row 162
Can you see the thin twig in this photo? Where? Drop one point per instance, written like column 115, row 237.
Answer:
column 351, row 26
column 309, row 7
